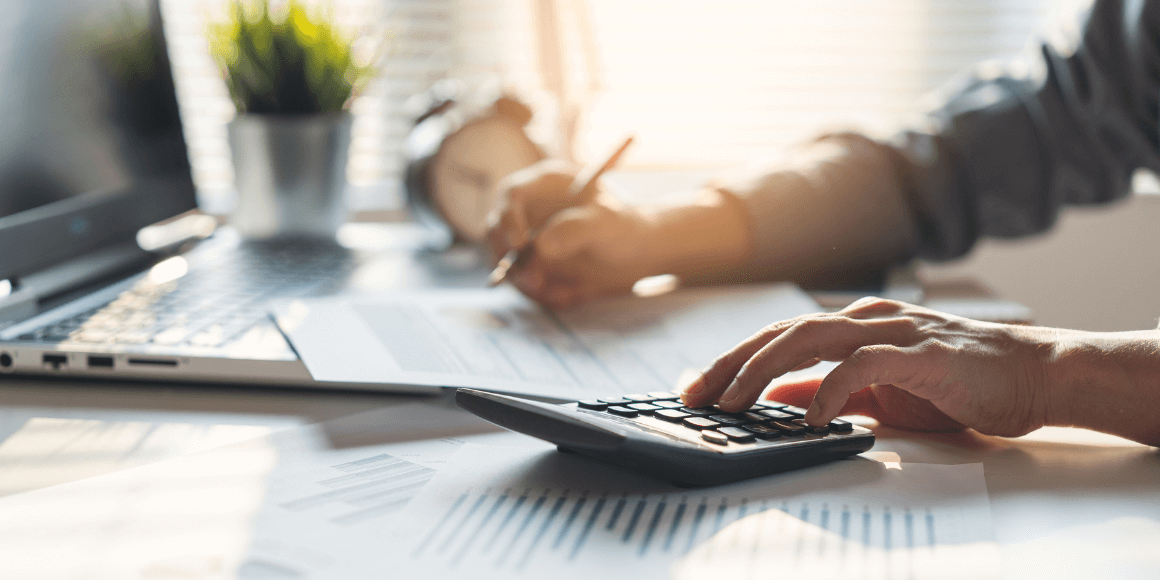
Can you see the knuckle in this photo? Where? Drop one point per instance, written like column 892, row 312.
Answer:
column 806, row 326
column 870, row 305
column 866, row 355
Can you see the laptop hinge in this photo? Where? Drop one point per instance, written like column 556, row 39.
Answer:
column 32, row 291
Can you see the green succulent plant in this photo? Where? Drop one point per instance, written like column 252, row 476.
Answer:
column 296, row 65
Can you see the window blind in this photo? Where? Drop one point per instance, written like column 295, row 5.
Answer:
column 703, row 85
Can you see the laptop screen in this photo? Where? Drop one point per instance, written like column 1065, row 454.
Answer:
column 91, row 146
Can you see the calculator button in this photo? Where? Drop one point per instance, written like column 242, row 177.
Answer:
column 771, row 404
column 614, row 400
column 714, row 437
column 719, row 411
column 754, row 418
column 736, row 434
column 785, row 428
column 763, row 431
column 800, row 412
column 777, row 415
column 727, row 420
column 639, row 398
column 592, row 404
column 841, row 426
column 645, row 408
column 699, row 423
column 668, row 404
column 664, row 395
column 811, row 428
column 623, row 411
column 672, row 415
column 702, row 412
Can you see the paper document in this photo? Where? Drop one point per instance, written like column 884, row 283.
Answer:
column 503, row 513
column 282, row 505
column 499, row 340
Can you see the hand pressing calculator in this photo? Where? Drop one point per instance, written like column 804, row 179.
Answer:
column 656, row 434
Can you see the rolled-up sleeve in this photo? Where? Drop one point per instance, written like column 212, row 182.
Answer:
column 1004, row 153
column 998, row 157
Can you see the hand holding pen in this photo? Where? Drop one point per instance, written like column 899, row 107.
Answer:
column 581, row 191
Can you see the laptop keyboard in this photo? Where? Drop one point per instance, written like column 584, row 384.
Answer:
column 221, row 297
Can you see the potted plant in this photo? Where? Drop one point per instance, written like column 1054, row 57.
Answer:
column 292, row 77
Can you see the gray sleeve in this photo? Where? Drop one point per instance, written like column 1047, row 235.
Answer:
column 1004, row 153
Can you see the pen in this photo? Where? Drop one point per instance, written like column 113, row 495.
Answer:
column 582, row 191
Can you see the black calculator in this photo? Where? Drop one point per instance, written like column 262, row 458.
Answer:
column 656, row 434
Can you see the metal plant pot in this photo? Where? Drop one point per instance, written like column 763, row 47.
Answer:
column 290, row 174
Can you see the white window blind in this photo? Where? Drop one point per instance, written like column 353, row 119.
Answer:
column 703, row 85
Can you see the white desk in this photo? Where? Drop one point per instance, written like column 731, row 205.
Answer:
column 1066, row 503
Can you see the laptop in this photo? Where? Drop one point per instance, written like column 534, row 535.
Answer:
column 91, row 152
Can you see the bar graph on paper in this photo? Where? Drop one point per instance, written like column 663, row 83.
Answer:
column 508, row 531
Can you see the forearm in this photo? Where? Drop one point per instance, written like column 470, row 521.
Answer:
column 832, row 216
column 705, row 241
column 1108, row 382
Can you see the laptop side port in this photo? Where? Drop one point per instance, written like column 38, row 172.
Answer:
column 100, row 362
column 54, row 360
column 155, row 362
column 6, row 360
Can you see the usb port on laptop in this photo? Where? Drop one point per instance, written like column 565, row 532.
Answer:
column 100, row 362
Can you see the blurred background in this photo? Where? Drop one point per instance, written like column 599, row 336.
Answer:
column 704, row 86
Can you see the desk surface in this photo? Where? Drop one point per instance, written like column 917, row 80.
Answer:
column 1066, row 503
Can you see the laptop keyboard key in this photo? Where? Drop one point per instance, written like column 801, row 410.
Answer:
column 715, row 437
column 668, row 404
column 592, row 404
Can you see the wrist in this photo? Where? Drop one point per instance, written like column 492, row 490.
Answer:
column 1065, row 358
column 1107, row 381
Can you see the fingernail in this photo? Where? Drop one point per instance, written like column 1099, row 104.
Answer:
column 730, row 393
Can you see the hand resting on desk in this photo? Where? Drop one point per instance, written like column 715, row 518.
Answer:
column 916, row 368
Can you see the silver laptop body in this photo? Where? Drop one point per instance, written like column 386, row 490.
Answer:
column 91, row 152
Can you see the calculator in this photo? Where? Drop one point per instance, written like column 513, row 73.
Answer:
column 656, row 434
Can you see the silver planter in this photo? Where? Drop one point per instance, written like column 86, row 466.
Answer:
column 290, row 174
